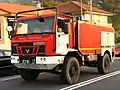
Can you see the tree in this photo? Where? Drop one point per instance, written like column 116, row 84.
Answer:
column 11, row 1
column 25, row 3
column 114, row 7
column 51, row 3
column 117, row 37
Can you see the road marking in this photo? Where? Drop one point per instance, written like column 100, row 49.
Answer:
column 84, row 83
column 9, row 78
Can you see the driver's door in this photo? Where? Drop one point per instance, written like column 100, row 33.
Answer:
column 62, row 41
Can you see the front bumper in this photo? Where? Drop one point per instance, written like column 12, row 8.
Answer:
column 41, row 63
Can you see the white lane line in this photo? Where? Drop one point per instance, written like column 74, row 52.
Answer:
column 84, row 83
column 9, row 78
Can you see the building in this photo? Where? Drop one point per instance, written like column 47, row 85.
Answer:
column 7, row 14
column 98, row 16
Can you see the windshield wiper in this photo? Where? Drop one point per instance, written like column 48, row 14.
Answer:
column 30, row 30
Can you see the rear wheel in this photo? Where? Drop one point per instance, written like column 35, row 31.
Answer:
column 104, row 64
column 71, row 70
column 29, row 75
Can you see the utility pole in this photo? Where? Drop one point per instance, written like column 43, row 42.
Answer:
column 91, row 10
column 81, row 6
column 42, row 3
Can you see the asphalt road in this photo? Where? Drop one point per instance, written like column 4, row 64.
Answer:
column 112, row 83
column 47, row 81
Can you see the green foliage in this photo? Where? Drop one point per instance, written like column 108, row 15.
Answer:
column 51, row 3
column 11, row 1
column 113, row 5
column 25, row 3
column 117, row 37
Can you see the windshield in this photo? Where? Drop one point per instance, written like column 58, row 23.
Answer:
column 36, row 25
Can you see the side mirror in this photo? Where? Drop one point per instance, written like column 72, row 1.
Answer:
column 66, row 28
column 10, row 30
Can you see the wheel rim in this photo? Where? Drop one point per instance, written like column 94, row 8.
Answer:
column 73, row 71
column 106, row 64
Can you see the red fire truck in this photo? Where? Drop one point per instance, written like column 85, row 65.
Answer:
column 53, row 42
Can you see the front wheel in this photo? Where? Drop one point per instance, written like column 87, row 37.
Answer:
column 70, row 70
column 28, row 75
column 104, row 64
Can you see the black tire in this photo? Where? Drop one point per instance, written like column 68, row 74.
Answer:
column 28, row 75
column 70, row 70
column 104, row 64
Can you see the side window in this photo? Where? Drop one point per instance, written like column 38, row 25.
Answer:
column 62, row 25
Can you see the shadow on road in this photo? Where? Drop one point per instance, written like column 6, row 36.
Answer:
column 49, row 79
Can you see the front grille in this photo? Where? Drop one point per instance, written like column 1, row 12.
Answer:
column 14, row 50
column 27, row 50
